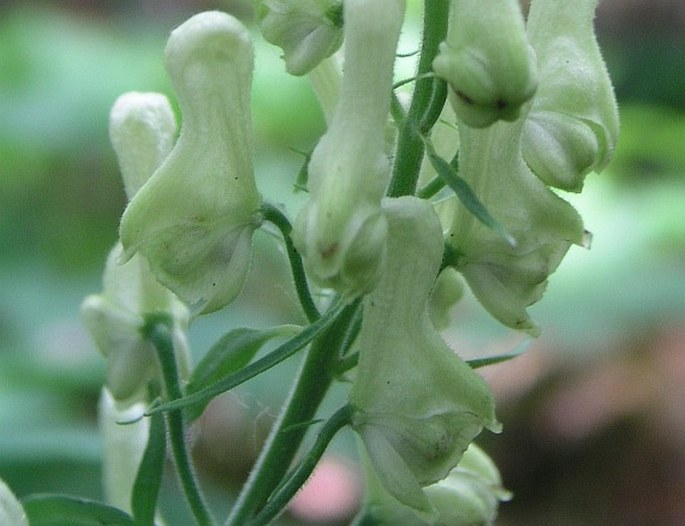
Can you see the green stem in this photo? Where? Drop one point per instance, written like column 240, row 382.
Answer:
column 314, row 379
column 301, row 473
column 279, row 219
column 428, row 91
column 157, row 330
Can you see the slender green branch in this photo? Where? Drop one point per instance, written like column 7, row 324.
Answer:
column 425, row 99
column 279, row 219
column 157, row 330
column 433, row 187
column 275, row 357
column 294, row 482
column 312, row 384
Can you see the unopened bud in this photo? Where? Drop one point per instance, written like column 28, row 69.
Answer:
column 308, row 31
column 572, row 127
column 487, row 61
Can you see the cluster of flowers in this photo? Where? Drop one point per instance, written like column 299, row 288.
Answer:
column 534, row 109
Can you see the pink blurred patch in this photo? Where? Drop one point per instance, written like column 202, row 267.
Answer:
column 332, row 494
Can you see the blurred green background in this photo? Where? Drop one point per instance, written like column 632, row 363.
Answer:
column 594, row 413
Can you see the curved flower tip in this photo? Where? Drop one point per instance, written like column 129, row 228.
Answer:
column 11, row 511
column 487, row 61
column 193, row 220
column 572, row 127
column 341, row 230
column 308, row 31
column 418, row 405
column 142, row 129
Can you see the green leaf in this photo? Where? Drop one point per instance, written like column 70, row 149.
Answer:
column 149, row 477
column 465, row 193
column 275, row 357
column 62, row 510
column 498, row 358
column 231, row 353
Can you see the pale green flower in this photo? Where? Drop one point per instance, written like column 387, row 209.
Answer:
column 487, row 61
column 468, row 496
column 572, row 127
column 193, row 220
column 308, row 31
column 417, row 404
column 341, row 230
column 507, row 279
column 141, row 129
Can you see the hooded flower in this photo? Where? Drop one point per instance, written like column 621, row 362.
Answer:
column 508, row 278
column 417, row 404
column 487, row 61
column 308, row 31
column 193, row 220
column 572, row 127
column 468, row 496
column 341, row 230
column 142, row 128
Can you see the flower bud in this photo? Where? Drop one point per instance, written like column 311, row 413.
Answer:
column 341, row 230
column 572, row 127
column 142, row 129
column 193, row 220
column 487, row 61
column 11, row 510
column 417, row 404
column 507, row 279
column 307, row 31
column 447, row 291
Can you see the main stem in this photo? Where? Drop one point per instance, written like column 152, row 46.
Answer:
column 314, row 379
column 427, row 101
column 158, row 331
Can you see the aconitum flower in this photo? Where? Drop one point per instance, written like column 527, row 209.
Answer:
column 487, row 61
column 193, row 220
column 572, row 127
column 308, row 31
column 142, row 128
column 417, row 404
column 468, row 496
column 507, row 278
column 341, row 230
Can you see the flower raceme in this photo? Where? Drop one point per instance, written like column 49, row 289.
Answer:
column 569, row 128
column 341, row 229
column 417, row 404
column 193, row 220
column 142, row 128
